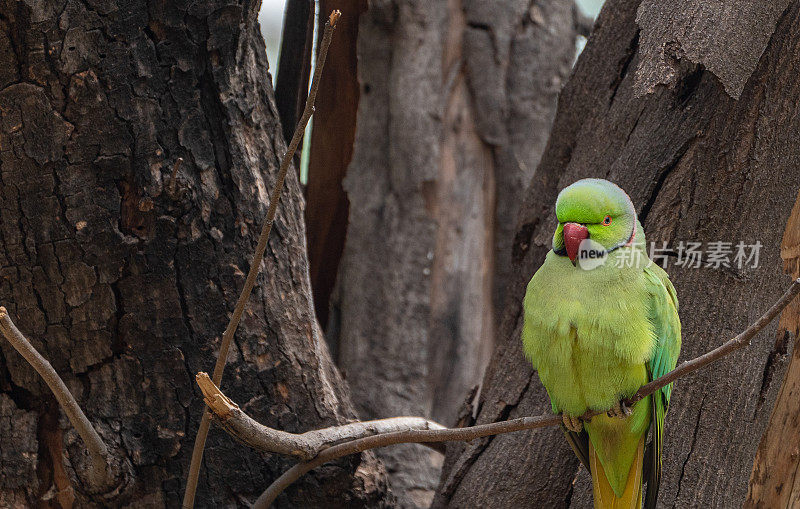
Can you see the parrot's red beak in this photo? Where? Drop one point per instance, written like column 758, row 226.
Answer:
column 574, row 234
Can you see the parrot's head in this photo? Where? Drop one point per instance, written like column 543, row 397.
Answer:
column 593, row 209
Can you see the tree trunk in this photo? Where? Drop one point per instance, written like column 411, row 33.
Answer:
column 294, row 68
column 331, row 151
column 775, row 480
column 125, row 286
column 648, row 107
column 455, row 102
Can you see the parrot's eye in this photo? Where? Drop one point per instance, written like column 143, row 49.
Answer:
column 607, row 220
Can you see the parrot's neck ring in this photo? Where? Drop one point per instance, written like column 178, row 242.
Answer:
column 627, row 243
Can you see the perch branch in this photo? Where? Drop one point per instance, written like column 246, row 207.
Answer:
column 304, row 446
column 98, row 475
column 227, row 337
column 231, row 419
column 743, row 339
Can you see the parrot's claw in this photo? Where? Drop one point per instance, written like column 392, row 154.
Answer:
column 620, row 410
column 572, row 423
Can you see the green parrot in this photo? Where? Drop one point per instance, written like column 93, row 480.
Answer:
column 601, row 321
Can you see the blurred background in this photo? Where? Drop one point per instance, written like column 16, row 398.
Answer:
column 271, row 20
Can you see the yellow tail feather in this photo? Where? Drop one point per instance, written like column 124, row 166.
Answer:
column 604, row 496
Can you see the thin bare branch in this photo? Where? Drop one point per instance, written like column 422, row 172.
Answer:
column 429, row 436
column 227, row 337
column 304, row 446
column 743, row 339
column 99, row 476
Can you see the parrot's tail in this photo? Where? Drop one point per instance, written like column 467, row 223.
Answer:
column 604, row 496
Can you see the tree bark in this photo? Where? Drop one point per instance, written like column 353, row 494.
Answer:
column 455, row 102
column 701, row 166
column 125, row 286
column 775, row 480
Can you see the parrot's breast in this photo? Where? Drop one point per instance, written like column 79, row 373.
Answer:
column 587, row 333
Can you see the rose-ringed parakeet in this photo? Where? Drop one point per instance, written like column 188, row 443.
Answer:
column 601, row 321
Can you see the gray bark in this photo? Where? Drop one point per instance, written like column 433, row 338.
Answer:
column 455, row 102
column 701, row 166
column 126, row 287
column 703, row 33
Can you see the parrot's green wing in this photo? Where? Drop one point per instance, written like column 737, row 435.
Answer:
column 663, row 314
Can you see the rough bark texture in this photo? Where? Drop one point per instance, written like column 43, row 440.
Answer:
column 775, row 481
column 455, row 102
column 705, row 33
column 700, row 166
column 126, row 287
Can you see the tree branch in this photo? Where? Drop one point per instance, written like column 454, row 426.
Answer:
column 227, row 337
column 743, row 339
column 99, row 476
column 236, row 422
column 304, row 446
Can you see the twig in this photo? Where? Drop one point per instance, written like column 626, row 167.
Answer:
column 743, row 339
column 304, row 446
column 227, row 337
column 99, row 476
column 228, row 417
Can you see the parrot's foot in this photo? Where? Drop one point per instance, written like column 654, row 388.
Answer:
column 620, row 410
column 572, row 423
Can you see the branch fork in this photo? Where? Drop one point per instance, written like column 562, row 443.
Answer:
column 303, row 446
column 227, row 337
column 314, row 448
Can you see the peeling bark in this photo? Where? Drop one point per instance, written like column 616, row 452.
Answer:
column 126, row 287
column 775, row 480
column 700, row 166
column 456, row 99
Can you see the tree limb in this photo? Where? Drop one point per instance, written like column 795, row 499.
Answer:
column 227, row 337
column 99, row 475
column 743, row 339
column 223, row 408
column 304, row 446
